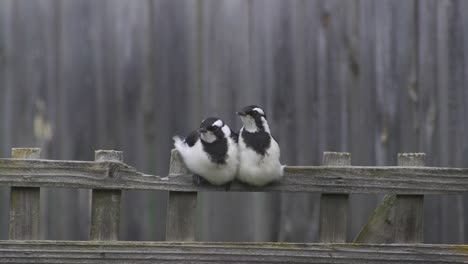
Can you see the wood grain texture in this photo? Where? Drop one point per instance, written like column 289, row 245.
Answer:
column 354, row 179
column 105, row 204
column 24, row 203
column 398, row 218
column 348, row 68
column 181, row 219
column 409, row 213
column 334, row 207
column 380, row 228
column 127, row 47
column 80, row 55
column 193, row 252
column 362, row 60
column 181, row 208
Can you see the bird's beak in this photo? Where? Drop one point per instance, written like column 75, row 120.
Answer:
column 202, row 130
column 241, row 113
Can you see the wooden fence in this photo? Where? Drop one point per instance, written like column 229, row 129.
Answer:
column 392, row 235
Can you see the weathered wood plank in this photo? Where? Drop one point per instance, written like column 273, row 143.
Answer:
column 198, row 252
column 105, row 208
column 431, row 140
column 409, row 212
column 334, row 207
column 181, row 207
column 24, row 213
column 347, row 179
column 363, row 106
column 24, row 203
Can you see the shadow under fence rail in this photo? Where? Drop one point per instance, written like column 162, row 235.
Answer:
column 393, row 233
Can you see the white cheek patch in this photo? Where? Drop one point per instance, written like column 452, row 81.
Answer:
column 218, row 123
column 208, row 137
column 249, row 124
column 258, row 110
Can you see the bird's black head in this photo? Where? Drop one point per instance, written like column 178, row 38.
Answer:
column 211, row 129
column 254, row 118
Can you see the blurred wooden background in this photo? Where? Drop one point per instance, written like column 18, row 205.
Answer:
column 369, row 77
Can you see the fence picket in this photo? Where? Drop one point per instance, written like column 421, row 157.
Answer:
column 24, row 203
column 105, row 205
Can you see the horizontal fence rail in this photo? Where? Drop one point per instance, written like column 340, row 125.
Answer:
column 198, row 252
column 327, row 179
column 399, row 218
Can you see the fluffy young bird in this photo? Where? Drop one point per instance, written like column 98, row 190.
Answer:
column 259, row 153
column 210, row 151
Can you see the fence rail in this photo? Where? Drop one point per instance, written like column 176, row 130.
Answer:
column 203, row 252
column 398, row 219
column 328, row 179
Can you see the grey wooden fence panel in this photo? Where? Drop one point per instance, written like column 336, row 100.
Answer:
column 363, row 108
column 78, row 35
column 6, row 60
column 443, row 115
column 428, row 106
column 129, row 48
column 299, row 213
column 462, row 209
column 458, row 55
column 68, row 52
column 448, row 54
column 172, row 107
column 31, row 73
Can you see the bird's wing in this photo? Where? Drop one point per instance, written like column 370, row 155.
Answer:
column 192, row 138
column 234, row 136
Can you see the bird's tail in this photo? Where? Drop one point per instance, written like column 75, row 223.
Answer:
column 178, row 143
column 282, row 170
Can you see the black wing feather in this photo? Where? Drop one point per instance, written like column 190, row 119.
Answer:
column 235, row 136
column 192, row 138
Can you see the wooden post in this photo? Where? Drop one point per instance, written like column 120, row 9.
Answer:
column 409, row 208
column 105, row 208
column 181, row 208
column 24, row 203
column 334, row 207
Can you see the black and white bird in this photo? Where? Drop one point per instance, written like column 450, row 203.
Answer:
column 259, row 153
column 210, row 151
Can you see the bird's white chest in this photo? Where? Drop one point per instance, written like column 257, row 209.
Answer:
column 257, row 169
column 199, row 162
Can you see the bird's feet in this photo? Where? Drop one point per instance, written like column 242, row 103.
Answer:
column 227, row 186
column 198, row 180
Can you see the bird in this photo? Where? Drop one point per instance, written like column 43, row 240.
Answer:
column 259, row 153
column 210, row 151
